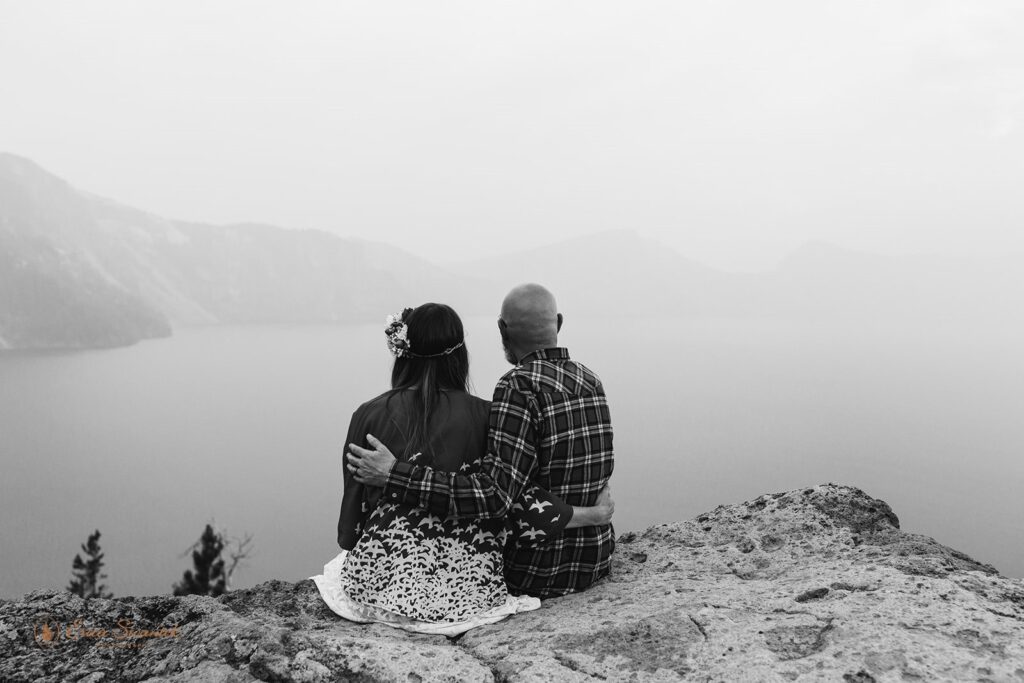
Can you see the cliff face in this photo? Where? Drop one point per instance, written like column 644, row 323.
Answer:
column 813, row 584
column 79, row 271
column 55, row 292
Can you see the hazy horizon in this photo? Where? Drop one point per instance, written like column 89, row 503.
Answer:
column 732, row 132
column 979, row 260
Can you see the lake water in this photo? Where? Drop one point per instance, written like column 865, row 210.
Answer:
column 245, row 426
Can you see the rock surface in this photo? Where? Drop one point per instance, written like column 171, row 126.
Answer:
column 813, row 584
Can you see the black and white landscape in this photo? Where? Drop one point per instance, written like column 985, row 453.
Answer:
column 786, row 236
column 82, row 271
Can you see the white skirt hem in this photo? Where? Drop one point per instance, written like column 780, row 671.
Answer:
column 341, row 604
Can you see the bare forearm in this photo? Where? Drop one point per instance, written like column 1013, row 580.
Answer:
column 595, row 515
column 586, row 516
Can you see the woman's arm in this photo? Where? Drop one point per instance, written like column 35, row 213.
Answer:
column 353, row 512
column 540, row 516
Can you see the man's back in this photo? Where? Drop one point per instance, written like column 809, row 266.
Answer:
column 559, row 407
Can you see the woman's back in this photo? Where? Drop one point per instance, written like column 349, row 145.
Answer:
column 457, row 436
column 456, row 431
column 404, row 559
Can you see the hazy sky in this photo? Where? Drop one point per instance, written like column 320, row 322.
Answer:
column 731, row 130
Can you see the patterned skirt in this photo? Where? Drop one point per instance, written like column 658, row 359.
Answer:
column 412, row 563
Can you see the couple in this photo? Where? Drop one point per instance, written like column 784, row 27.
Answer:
column 488, row 506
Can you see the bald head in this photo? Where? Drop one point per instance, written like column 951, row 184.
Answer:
column 529, row 320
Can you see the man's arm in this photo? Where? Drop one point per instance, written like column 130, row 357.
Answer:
column 538, row 516
column 597, row 515
column 507, row 467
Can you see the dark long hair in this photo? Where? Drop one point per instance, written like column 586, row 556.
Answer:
column 432, row 330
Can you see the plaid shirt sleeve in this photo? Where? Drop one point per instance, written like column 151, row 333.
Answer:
column 510, row 461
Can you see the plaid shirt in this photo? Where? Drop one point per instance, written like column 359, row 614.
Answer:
column 549, row 426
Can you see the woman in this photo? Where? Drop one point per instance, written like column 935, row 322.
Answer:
column 401, row 565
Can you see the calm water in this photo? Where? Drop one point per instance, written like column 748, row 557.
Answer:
column 245, row 426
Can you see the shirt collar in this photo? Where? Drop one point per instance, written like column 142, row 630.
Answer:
column 556, row 353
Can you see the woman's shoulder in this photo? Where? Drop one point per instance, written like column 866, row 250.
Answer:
column 398, row 400
column 376, row 404
column 472, row 403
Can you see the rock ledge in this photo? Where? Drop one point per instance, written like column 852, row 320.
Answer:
column 812, row 584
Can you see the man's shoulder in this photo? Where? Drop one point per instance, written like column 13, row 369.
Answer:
column 513, row 381
column 554, row 374
column 509, row 377
column 586, row 375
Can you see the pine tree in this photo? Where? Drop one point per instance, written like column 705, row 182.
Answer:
column 88, row 573
column 209, row 577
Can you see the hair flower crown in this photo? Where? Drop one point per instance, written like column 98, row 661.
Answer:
column 397, row 333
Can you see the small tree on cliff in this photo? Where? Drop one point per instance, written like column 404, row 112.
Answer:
column 210, row 576
column 88, row 573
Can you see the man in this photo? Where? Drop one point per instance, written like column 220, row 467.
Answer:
column 549, row 426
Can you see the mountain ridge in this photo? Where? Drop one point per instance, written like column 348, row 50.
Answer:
column 117, row 274
column 78, row 270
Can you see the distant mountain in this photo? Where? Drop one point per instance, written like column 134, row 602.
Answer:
column 79, row 271
column 52, row 292
column 613, row 273
column 620, row 273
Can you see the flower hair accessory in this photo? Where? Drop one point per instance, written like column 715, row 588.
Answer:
column 397, row 333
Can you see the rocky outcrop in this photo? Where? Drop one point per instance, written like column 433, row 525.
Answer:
column 813, row 584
